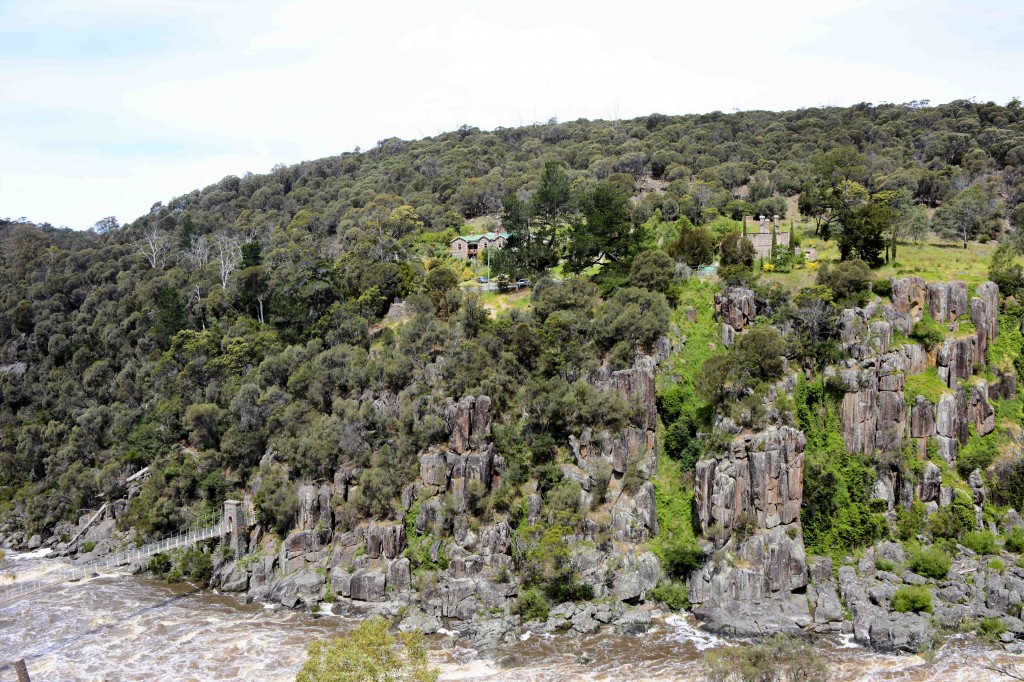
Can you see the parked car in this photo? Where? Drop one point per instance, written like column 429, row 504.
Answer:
column 482, row 279
column 523, row 283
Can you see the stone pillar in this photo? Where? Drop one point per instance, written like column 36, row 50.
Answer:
column 233, row 526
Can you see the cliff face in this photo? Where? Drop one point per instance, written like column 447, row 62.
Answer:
column 748, row 494
column 467, row 567
column 748, row 500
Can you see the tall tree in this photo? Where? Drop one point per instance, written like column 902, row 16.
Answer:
column 604, row 230
column 966, row 215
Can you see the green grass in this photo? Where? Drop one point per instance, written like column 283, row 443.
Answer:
column 932, row 260
column 1008, row 344
column 703, row 336
column 498, row 302
column 927, row 383
column 673, row 494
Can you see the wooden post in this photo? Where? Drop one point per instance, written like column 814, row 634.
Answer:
column 19, row 667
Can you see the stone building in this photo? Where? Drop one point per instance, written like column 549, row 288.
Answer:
column 767, row 235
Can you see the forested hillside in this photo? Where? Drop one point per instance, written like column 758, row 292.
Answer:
column 237, row 340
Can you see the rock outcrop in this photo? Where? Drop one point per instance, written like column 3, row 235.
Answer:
column 469, row 422
column 873, row 412
column 758, row 479
column 736, row 307
column 748, row 498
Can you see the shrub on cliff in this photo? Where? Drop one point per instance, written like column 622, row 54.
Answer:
column 1005, row 271
column 682, row 558
column 1015, row 540
column 982, row 542
column 531, row 605
column 928, row 332
column 931, row 563
column 674, row 595
column 912, row 599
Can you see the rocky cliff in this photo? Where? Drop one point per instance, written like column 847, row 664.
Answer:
column 748, row 503
column 442, row 563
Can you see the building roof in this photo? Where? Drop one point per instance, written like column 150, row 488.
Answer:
column 474, row 238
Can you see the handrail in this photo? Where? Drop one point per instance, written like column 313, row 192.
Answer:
column 194, row 534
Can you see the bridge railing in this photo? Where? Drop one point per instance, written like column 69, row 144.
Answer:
column 197, row 532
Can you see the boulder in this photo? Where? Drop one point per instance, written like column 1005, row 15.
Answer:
column 955, row 359
column 434, row 469
column 387, row 540
column 368, row 585
column 980, row 412
column 633, row 622
column 637, row 576
column 985, row 316
column 931, row 481
column 947, row 300
column 399, row 577
column 303, row 586
column 909, row 295
column 420, row 622
column 237, row 580
column 468, row 422
column 900, row 632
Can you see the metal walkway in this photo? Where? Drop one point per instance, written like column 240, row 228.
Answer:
column 17, row 590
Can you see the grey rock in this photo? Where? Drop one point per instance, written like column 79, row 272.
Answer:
column 420, row 622
column 368, row 585
column 399, row 576
column 633, row 622
column 901, row 632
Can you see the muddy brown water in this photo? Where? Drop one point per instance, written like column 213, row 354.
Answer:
column 122, row 627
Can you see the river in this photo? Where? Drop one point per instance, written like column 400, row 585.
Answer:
column 122, row 627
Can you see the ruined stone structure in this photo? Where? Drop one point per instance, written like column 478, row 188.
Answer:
column 766, row 236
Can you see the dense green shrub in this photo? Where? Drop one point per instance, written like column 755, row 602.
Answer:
column 931, row 562
column 159, row 564
column 882, row 287
column 883, row 564
column 955, row 519
column 910, row 522
column 836, row 515
column 848, row 280
column 682, row 558
column 910, row 598
column 1005, row 271
column 674, row 595
column 653, row 270
column 737, row 250
column 928, row 332
column 979, row 453
column 777, row 658
column 531, row 605
column 1015, row 539
column 991, row 628
column 982, row 541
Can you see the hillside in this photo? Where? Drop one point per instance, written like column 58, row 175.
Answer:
column 664, row 415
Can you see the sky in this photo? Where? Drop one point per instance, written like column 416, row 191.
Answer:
column 108, row 106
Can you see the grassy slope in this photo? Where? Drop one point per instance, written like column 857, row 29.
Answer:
column 674, row 486
column 933, row 260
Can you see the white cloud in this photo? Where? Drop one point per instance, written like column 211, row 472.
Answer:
column 106, row 107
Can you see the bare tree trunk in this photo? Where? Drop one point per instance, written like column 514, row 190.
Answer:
column 22, row 670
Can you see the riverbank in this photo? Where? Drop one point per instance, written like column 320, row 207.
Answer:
column 118, row 626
